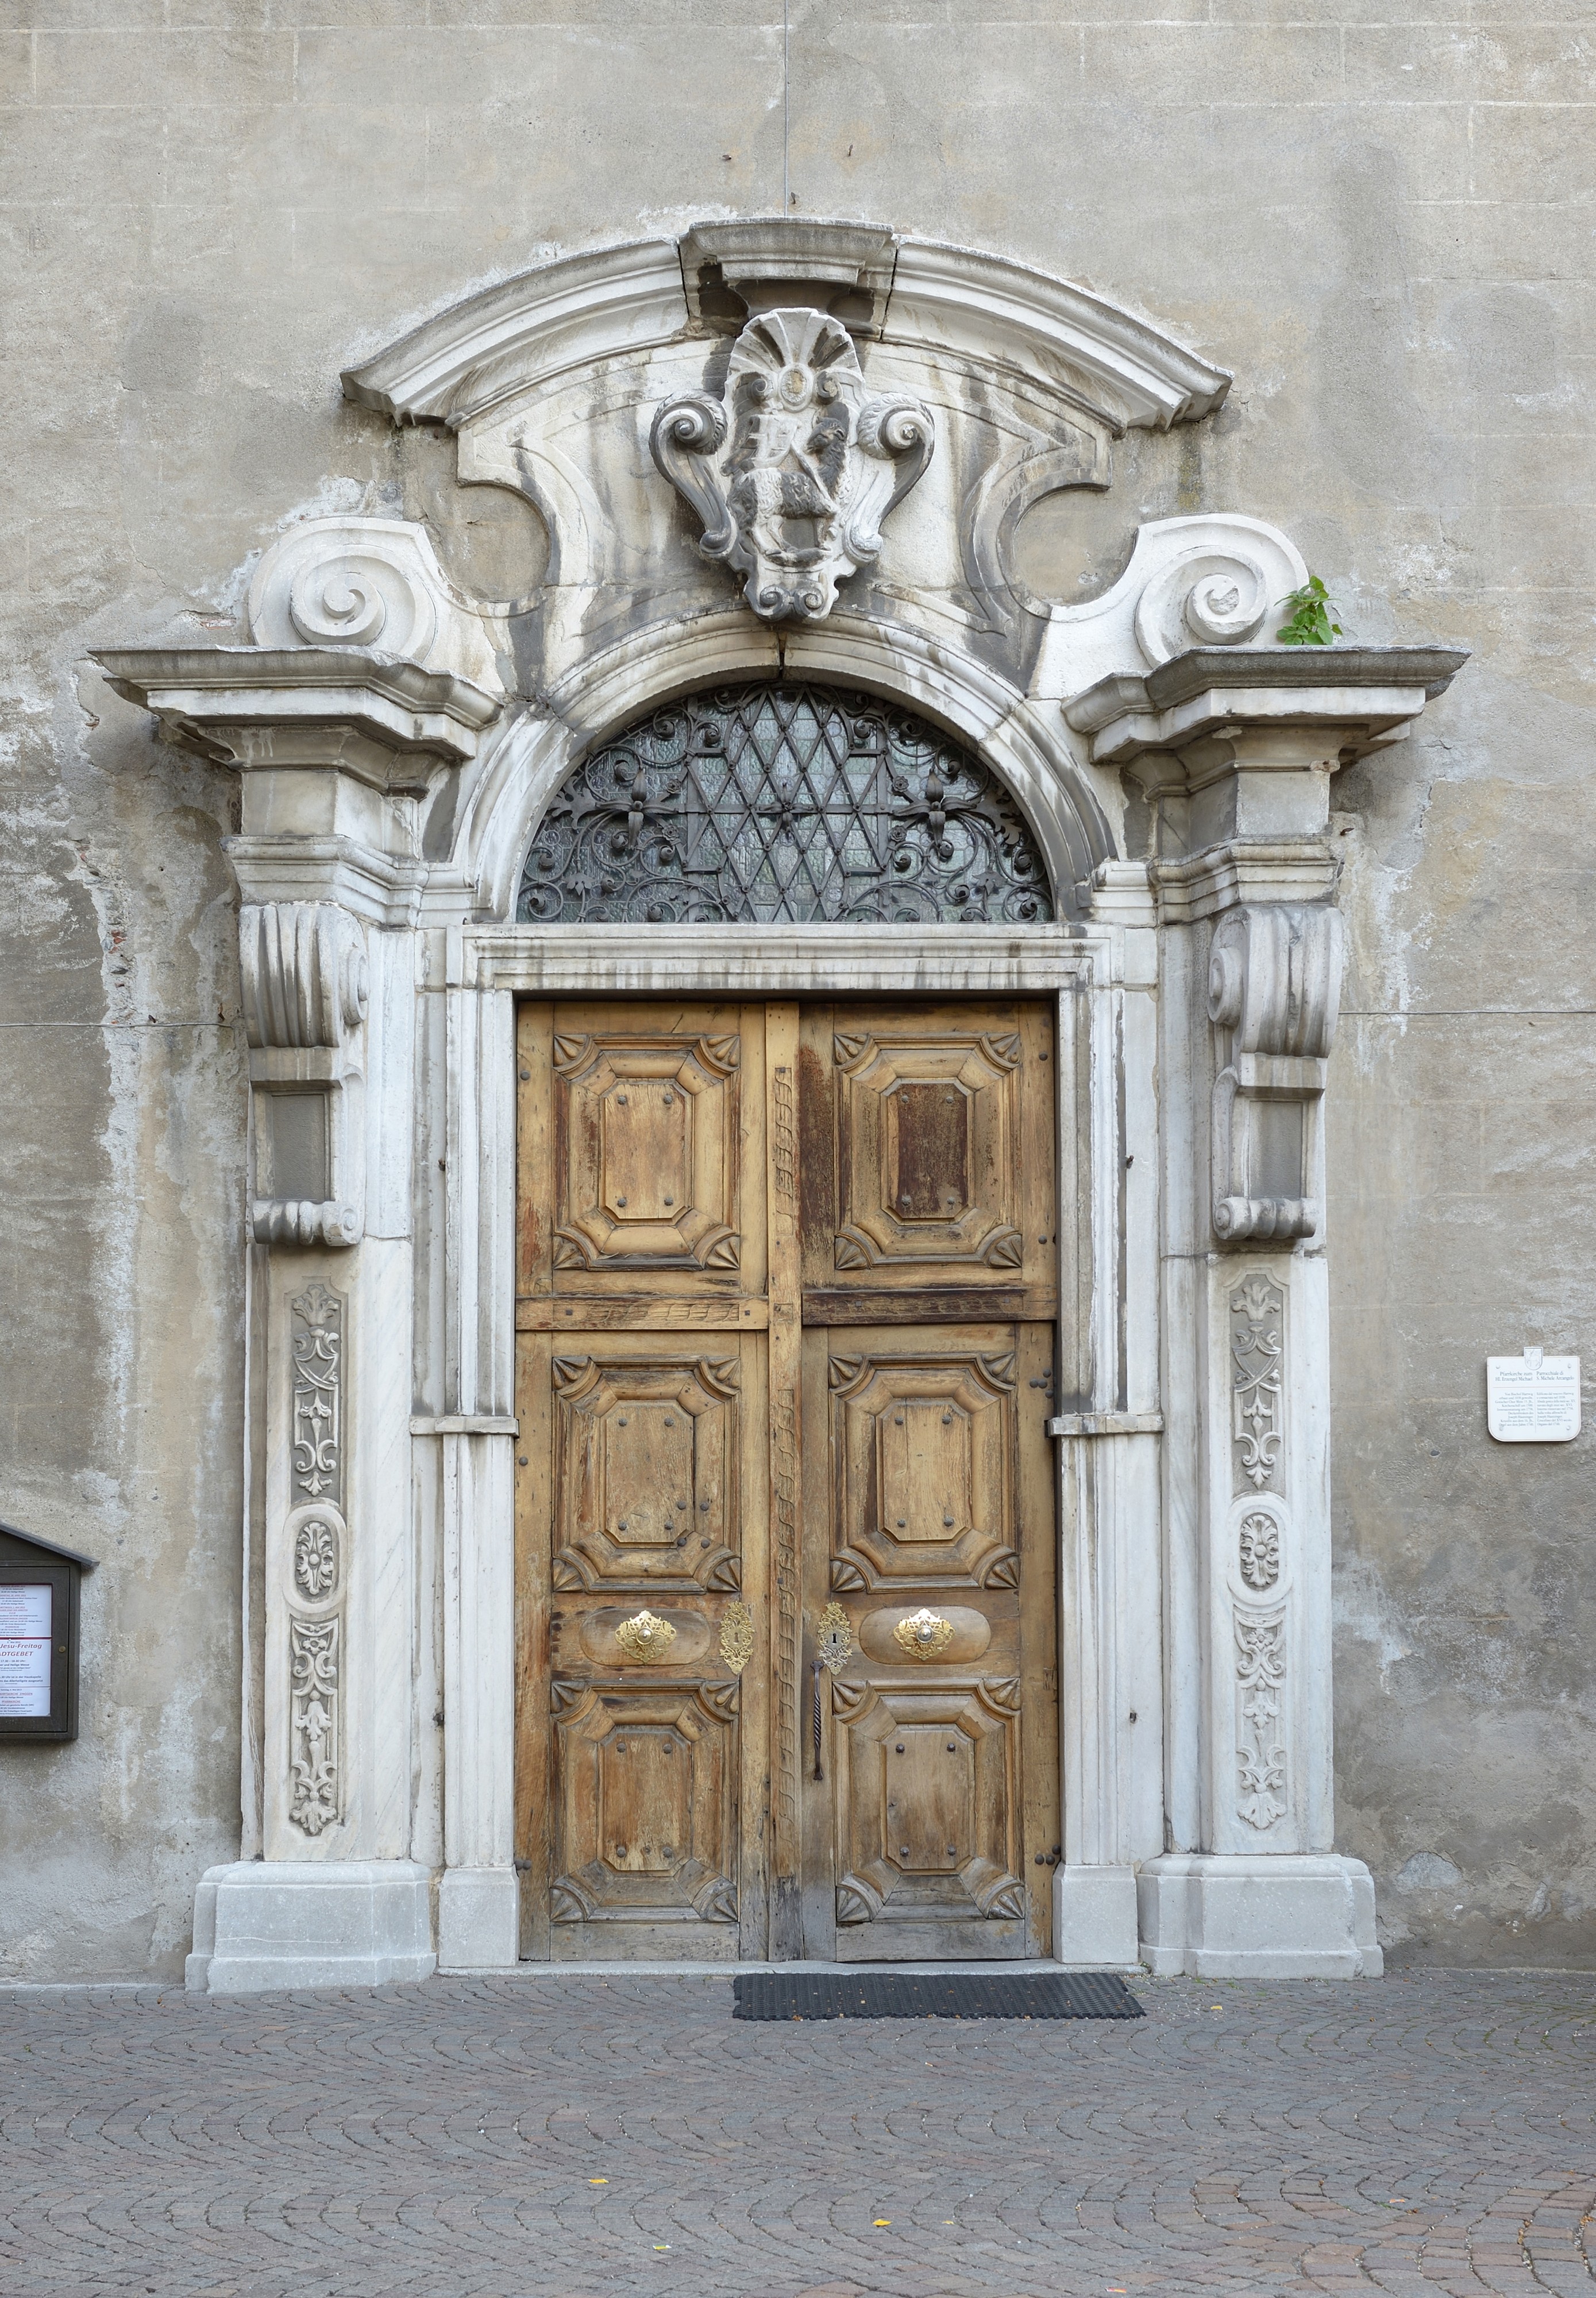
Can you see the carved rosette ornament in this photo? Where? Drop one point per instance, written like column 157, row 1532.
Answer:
column 793, row 469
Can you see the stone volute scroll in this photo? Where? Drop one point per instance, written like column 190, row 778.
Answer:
column 793, row 469
column 305, row 978
column 1274, row 997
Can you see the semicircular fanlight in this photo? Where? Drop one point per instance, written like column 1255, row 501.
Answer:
column 794, row 804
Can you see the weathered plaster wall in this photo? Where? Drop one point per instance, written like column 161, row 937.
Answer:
column 1376, row 212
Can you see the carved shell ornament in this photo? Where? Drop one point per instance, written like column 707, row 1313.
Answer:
column 792, row 470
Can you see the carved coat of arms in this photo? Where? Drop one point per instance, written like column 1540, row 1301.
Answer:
column 794, row 468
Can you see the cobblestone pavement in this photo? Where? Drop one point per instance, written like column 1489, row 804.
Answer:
column 572, row 2137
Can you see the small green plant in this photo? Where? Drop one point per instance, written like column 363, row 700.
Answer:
column 1310, row 611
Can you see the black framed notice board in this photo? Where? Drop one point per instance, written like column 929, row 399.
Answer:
column 39, row 1615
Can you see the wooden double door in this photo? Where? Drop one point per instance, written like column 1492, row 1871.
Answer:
column 786, row 1632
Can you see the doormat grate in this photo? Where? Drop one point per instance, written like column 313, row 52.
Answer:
column 923, row 1995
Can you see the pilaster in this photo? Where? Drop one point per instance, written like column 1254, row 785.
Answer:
column 339, row 749
column 1234, row 750
column 1106, row 1430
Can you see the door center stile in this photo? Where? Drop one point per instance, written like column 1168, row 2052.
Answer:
column 785, row 1346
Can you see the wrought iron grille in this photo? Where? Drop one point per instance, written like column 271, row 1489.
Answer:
column 792, row 802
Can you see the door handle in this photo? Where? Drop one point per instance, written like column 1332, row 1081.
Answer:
column 833, row 1650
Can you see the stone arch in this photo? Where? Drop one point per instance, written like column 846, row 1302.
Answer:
column 785, row 801
column 1020, row 740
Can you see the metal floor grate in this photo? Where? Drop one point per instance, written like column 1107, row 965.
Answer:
column 927, row 1994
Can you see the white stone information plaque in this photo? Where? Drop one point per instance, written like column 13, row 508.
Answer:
column 1532, row 1399
column 26, row 1635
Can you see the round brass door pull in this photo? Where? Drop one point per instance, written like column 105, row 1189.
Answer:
column 645, row 1638
column 924, row 1634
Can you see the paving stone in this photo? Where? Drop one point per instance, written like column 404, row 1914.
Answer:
column 576, row 2138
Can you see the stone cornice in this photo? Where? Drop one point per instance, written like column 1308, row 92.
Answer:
column 371, row 715
column 385, row 889
column 1242, row 871
column 989, row 313
column 1356, row 695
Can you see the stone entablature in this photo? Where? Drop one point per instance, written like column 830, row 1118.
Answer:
column 398, row 744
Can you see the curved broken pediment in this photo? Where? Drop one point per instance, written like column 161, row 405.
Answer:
column 622, row 301
column 641, row 397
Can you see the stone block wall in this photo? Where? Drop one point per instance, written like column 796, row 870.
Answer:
column 1377, row 213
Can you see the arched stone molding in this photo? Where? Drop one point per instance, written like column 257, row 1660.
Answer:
column 1003, row 320
column 1025, row 744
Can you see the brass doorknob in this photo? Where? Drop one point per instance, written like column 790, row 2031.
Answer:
column 924, row 1634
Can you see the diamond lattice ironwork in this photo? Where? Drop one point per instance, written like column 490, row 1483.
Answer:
column 790, row 803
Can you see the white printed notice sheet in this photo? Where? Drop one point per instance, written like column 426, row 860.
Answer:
column 26, row 1635
column 1532, row 1399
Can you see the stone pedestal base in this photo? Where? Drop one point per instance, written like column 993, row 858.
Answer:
column 269, row 1923
column 1258, row 1917
column 479, row 1919
column 1095, row 1918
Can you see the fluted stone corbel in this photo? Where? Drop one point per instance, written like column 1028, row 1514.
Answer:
column 306, row 983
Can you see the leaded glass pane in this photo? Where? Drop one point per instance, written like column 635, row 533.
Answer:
column 799, row 804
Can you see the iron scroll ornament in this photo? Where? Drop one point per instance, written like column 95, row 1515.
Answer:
column 783, row 804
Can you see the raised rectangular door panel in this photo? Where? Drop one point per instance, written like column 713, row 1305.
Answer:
column 638, row 1124
column 648, row 1443
column 923, row 1446
column 927, row 1138
column 645, row 1805
column 928, row 1817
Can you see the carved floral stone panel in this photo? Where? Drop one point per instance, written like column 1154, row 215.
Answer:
column 1257, row 1381
column 316, row 1544
column 1261, row 1755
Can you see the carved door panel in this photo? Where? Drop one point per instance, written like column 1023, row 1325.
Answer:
column 929, row 1256
column 643, row 1490
column 730, row 1460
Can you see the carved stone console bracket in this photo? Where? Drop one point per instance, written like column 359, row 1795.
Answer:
column 353, row 711
column 305, row 980
column 1235, row 748
column 1274, row 994
column 1212, row 712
